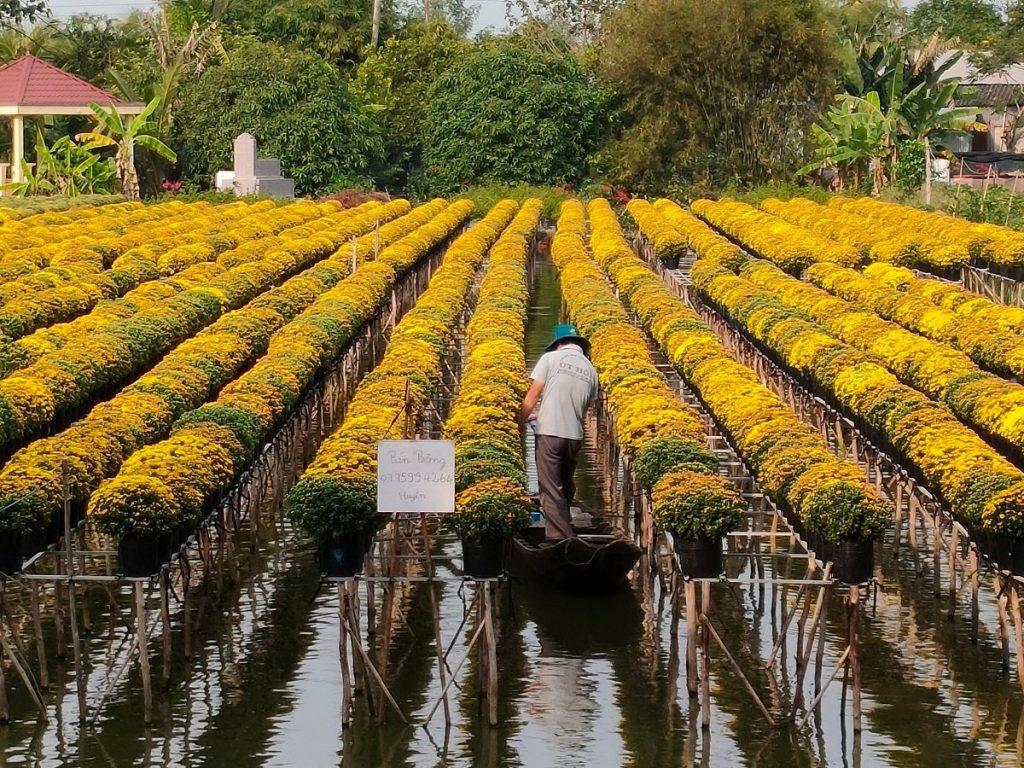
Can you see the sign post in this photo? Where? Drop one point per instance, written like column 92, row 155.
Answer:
column 415, row 476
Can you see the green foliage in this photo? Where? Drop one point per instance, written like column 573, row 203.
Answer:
column 695, row 506
column 396, row 82
column 491, row 509
column 335, row 30
column 294, row 103
column 975, row 23
column 21, row 10
column 716, row 90
column 843, row 511
column 485, row 196
column 994, row 206
column 328, row 509
column 662, row 455
column 509, row 114
column 64, row 168
column 908, row 173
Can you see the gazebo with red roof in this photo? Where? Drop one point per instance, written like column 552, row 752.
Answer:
column 31, row 87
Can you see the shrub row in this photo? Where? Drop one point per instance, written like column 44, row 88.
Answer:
column 490, row 473
column 980, row 486
column 101, row 360
column 60, row 293
column 988, row 345
column 336, row 497
column 661, row 436
column 790, row 247
column 95, row 447
column 791, row 461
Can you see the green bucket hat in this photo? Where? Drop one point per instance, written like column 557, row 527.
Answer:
column 568, row 332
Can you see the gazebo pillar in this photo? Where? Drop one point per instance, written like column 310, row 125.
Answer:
column 17, row 147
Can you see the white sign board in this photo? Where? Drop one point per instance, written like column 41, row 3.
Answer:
column 415, row 476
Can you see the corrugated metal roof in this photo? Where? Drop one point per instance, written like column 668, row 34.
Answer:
column 30, row 81
column 988, row 94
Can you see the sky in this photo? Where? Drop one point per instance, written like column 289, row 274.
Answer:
column 492, row 12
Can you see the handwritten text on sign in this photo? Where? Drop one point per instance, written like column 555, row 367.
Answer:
column 415, row 476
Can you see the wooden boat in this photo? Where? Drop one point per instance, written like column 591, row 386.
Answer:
column 598, row 557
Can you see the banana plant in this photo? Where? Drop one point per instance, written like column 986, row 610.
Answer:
column 112, row 131
column 64, row 168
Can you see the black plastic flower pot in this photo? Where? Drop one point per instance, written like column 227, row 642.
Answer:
column 342, row 558
column 484, row 558
column 670, row 262
column 853, row 562
column 1016, row 564
column 10, row 552
column 700, row 559
column 140, row 555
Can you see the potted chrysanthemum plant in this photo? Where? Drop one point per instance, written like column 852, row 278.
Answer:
column 340, row 515
column 487, row 515
column 698, row 509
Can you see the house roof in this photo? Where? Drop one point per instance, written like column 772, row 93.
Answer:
column 29, row 83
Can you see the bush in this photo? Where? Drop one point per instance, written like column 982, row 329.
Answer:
column 508, row 114
column 328, row 509
column 696, row 506
column 397, row 79
column 662, row 455
column 491, row 509
column 294, row 103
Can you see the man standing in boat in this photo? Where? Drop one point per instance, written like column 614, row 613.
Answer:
column 564, row 382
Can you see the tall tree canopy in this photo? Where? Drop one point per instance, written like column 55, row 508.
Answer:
column 294, row 103
column 973, row 23
column 337, row 30
column 712, row 90
column 507, row 113
column 21, row 10
column 396, row 82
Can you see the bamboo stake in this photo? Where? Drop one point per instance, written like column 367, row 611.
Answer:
column 140, row 633
column 1018, row 630
column 853, row 612
column 691, row 636
column 840, row 664
column 492, row 656
column 346, row 680
column 37, row 629
column 376, row 675
column 736, row 667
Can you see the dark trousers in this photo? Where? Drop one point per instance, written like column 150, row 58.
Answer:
column 556, row 464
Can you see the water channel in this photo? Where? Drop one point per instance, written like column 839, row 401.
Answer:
column 585, row 680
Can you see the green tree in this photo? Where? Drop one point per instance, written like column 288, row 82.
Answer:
column 714, row 90
column 337, row 30
column 396, row 81
column 974, row 23
column 124, row 137
column 505, row 113
column 294, row 103
column 17, row 11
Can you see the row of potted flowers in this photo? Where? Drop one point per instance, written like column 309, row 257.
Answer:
column 66, row 211
column 790, row 247
column 988, row 244
column 838, row 510
column 980, row 486
column 661, row 437
column 335, row 500
column 17, row 354
column 167, row 486
column 993, row 405
column 990, row 346
column 490, row 471
column 103, row 237
column 95, row 448
column 57, row 294
column 874, row 239
column 61, row 382
column 949, row 296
